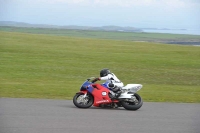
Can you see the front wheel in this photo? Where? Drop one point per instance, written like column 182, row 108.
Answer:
column 133, row 104
column 82, row 101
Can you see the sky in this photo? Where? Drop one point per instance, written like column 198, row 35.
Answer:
column 172, row 14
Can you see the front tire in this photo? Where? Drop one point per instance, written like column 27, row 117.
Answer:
column 81, row 102
column 133, row 105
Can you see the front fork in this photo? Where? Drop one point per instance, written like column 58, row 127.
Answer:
column 83, row 92
column 84, row 95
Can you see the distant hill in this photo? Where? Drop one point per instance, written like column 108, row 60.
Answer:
column 102, row 28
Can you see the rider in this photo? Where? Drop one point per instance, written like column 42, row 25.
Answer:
column 114, row 84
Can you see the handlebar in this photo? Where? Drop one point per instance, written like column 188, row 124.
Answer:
column 92, row 79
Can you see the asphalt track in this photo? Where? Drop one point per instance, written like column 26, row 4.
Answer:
column 61, row 116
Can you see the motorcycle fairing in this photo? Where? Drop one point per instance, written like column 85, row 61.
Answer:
column 129, row 90
column 85, row 85
column 100, row 94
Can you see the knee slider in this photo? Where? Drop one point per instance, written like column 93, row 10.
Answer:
column 111, row 85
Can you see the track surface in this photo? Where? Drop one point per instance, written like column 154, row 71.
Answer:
column 61, row 116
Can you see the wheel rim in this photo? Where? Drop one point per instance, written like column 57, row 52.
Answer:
column 81, row 100
column 136, row 101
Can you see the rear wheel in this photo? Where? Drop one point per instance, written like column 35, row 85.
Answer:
column 82, row 101
column 133, row 104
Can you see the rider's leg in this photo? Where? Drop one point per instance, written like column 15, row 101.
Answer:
column 115, row 90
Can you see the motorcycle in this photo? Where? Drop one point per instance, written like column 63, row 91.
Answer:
column 98, row 96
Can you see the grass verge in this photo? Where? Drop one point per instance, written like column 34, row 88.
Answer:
column 42, row 66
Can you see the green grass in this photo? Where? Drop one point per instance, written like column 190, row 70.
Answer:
column 127, row 36
column 43, row 66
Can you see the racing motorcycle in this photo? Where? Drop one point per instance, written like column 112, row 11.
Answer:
column 98, row 95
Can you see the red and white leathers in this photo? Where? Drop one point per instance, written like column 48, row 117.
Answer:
column 111, row 78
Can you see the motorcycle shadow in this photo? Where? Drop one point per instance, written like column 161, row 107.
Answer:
column 93, row 107
column 107, row 108
column 97, row 108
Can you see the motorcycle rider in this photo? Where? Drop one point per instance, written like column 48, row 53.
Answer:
column 114, row 84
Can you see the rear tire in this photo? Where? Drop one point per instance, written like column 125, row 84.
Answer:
column 129, row 105
column 81, row 102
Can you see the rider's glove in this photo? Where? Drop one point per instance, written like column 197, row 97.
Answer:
column 96, row 79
